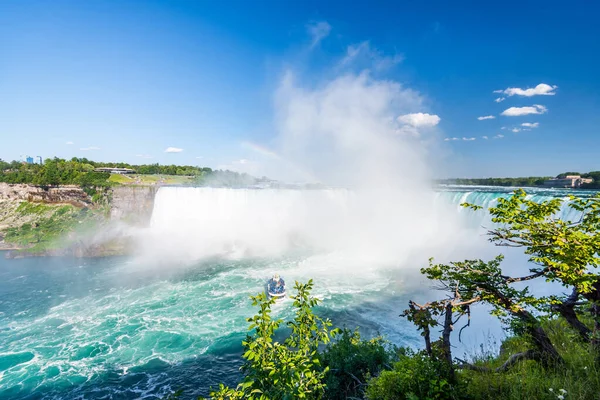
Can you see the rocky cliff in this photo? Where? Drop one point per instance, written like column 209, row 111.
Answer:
column 60, row 195
column 65, row 221
column 132, row 204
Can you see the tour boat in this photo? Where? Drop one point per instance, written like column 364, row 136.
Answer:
column 276, row 287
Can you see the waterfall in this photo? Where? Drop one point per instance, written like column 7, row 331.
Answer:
column 243, row 221
column 487, row 197
column 194, row 223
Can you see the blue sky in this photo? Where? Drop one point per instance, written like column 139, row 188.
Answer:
column 126, row 80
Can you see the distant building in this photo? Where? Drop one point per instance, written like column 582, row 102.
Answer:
column 569, row 181
column 120, row 171
column 29, row 160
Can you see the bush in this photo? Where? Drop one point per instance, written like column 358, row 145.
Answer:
column 352, row 362
column 414, row 376
column 288, row 370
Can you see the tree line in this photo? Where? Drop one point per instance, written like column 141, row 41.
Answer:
column 529, row 181
column 81, row 171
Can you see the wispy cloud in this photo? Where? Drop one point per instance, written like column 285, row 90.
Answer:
column 173, row 150
column 518, row 111
column 530, row 125
column 453, row 139
column 91, row 148
column 199, row 157
column 540, row 90
column 318, row 31
column 515, row 130
column 69, row 143
column 143, row 155
column 484, row 137
column 363, row 50
column 500, row 99
column 500, row 136
column 486, row 117
column 420, row 120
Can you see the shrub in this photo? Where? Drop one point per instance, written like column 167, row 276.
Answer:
column 414, row 376
column 288, row 370
column 352, row 361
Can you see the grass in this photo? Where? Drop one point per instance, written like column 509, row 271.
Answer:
column 580, row 377
column 120, row 178
column 135, row 179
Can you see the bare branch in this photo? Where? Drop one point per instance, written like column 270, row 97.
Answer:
column 524, row 278
column 466, row 325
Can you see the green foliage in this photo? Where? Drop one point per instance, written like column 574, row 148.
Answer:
column 580, row 376
column 477, row 279
column 562, row 250
column 414, row 376
column 54, row 172
column 595, row 175
column 80, row 171
column 352, row 361
column 288, row 370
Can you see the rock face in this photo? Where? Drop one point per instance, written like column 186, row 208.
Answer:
column 64, row 194
column 132, row 204
column 129, row 206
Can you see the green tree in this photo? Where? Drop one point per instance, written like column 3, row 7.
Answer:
column 561, row 251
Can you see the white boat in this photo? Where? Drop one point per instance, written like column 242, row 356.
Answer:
column 276, row 287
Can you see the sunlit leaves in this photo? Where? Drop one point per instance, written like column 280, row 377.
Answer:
column 288, row 370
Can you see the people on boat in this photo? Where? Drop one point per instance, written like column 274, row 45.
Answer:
column 276, row 285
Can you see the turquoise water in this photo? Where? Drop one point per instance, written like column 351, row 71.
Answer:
column 124, row 328
column 100, row 329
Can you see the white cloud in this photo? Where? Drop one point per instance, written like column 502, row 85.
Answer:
column 500, row 136
column 420, row 120
column 486, row 117
column 364, row 51
column 515, row 130
column 484, row 137
column 199, row 157
column 503, row 127
column 318, row 31
column 173, row 150
column 530, row 125
column 69, row 143
column 518, row 111
column 540, row 90
column 500, row 99
column 143, row 155
column 455, row 139
column 242, row 161
column 89, row 148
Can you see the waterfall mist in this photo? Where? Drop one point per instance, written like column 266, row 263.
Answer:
column 379, row 210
